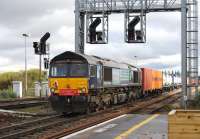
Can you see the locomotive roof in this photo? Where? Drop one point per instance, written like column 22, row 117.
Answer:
column 94, row 60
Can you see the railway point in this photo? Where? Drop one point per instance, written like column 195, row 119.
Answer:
column 99, row 69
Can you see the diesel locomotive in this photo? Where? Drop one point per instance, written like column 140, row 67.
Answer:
column 82, row 83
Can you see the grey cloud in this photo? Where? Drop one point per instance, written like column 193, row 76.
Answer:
column 160, row 65
column 57, row 17
column 15, row 13
column 163, row 20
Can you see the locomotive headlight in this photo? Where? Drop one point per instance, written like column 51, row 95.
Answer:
column 52, row 90
column 84, row 90
column 79, row 91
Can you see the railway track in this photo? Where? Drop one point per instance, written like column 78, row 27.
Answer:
column 159, row 105
column 22, row 103
column 58, row 126
column 26, row 128
column 131, row 108
column 22, row 99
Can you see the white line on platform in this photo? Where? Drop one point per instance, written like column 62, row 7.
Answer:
column 89, row 128
column 105, row 128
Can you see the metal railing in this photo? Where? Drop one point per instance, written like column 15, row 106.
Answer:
column 121, row 5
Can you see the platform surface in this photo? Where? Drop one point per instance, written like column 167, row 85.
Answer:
column 132, row 126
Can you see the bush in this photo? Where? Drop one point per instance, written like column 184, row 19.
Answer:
column 196, row 102
column 7, row 93
column 7, row 78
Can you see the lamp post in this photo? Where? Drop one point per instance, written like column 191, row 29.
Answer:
column 25, row 36
column 136, row 60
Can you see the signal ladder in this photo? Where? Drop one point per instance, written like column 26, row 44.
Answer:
column 192, row 48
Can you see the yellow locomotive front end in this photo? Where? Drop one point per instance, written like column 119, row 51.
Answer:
column 68, row 83
column 68, row 86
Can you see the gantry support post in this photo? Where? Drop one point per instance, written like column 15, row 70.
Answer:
column 184, row 52
column 79, row 29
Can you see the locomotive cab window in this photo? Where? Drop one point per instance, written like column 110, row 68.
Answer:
column 69, row 70
column 78, row 70
column 93, row 71
column 58, row 70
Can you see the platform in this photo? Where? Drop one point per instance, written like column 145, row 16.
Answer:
column 131, row 126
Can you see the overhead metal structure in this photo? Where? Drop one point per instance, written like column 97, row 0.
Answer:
column 98, row 11
column 192, row 46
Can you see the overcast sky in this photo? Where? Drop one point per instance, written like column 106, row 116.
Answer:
column 162, row 50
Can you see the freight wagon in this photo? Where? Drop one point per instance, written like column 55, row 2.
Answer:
column 152, row 81
column 171, row 81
